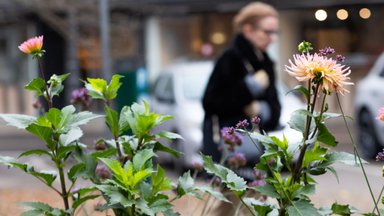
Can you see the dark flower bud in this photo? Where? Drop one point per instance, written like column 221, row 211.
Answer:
column 340, row 58
column 37, row 104
column 198, row 166
column 380, row 156
column 326, row 51
column 242, row 124
column 217, row 181
column 100, row 145
column 103, row 172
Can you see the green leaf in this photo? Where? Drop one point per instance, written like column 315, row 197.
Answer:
column 70, row 119
column 114, row 196
column 301, row 89
column 217, row 194
column 56, row 84
column 44, row 133
column 160, row 147
column 139, row 176
column 305, row 190
column 19, row 121
column 36, row 152
column 168, row 135
column 111, row 90
column 325, row 136
column 82, row 200
column 123, row 121
column 38, row 206
column 115, row 166
column 141, row 158
column 298, row 120
column 112, row 120
column 317, row 153
column 37, row 85
column 53, row 116
column 159, row 181
column 267, row 190
column 73, row 135
column 302, row 208
column 342, row 209
column 283, row 144
column 159, row 204
column 232, row 181
column 185, row 184
column 73, row 173
column 259, row 207
column 345, row 158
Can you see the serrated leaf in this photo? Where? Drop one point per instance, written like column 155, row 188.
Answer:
column 185, row 184
column 82, row 200
column 302, row 208
column 342, row 209
column 217, row 194
column 73, row 173
column 160, row 147
column 258, row 207
column 53, row 116
column 44, row 133
column 232, row 181
column 123, row 121
column 38, row 206
column 19, row 121
column 267, row 190
column 298, row 120
column 111, row 90
column 317, row 153
column 159, row 181
column 325, row 136
column 70, row 137
column 160, row 204
column 114, row 196
column 141, row 158
column 37, row 85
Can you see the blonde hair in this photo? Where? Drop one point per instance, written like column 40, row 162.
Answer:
column 252, row 13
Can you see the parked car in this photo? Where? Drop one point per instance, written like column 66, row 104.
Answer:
column 178, row 90
column 369, row 98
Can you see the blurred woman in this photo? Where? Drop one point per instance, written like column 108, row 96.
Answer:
column 242, row 84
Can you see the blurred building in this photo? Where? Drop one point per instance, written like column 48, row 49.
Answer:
column 156, row 33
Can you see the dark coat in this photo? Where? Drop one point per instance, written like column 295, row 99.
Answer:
column 227, row 94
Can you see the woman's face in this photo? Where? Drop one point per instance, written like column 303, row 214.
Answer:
column 263, row 33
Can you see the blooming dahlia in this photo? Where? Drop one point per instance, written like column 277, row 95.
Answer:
column 32, row 45
column 331, row 75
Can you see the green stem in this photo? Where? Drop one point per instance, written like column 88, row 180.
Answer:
column 320, row 116
column 48, row 98
column 358, row 155
column 379, row 198
column 119, row 153
column 311, row 108
column 249, row 209
column 64, row 193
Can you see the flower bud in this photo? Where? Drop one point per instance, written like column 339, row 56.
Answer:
column 100, row 145
column 103, row 172
column 198, row 166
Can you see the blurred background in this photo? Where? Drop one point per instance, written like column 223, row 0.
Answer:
column 144, row 39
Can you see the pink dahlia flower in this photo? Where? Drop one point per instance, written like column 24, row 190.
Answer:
column 32, row 45
column 330, row 75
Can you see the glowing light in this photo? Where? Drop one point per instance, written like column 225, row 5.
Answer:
column 342, row 14
column 365, row 13
column 321, row 15
column 218, row 38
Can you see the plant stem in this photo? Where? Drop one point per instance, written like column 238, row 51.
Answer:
column 358, row 155
column 119, row 153
column 310, row 108
column 378, row 198
column 48, row 98
column 64, row 193
column 249, row 209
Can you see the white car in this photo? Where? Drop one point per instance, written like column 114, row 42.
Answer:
column 178, row 91
column 369, row 98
